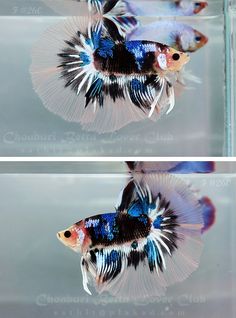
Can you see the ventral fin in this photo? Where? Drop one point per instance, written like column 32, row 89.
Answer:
column 123, row 271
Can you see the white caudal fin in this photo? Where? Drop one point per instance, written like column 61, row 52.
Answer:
column 122, row 271
column 145, row 267
column 62, row 66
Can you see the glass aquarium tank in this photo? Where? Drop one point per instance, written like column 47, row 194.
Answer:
column 200, row 124
column 40, row 277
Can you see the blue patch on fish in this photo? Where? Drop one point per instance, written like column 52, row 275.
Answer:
column 85, row 58
column 137, row 85
column 157, row 222
column 137, row 49
column 152, row 253
column 105, row 48
column 105, row 228
column 140, row 207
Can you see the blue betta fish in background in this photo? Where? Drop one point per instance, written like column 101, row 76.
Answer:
column 151, row 241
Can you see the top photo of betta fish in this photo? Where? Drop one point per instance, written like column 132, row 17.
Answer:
column 138, row 7
column 107, row 69
column 152, row 240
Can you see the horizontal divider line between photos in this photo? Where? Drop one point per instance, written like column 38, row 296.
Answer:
column 114, row 159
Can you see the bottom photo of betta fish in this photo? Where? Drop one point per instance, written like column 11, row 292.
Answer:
column 153, row 239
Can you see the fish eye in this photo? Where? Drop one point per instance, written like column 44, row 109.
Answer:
column 67, row 234
column 175, row 56
column 197, row 4
column 198, row 38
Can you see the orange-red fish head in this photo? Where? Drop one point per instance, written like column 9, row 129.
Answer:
column 199, row 6
column 170, row 60
column 73, row 237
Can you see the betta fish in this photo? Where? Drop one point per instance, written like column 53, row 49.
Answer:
column 178, row 35
column 151, row 241
column 166, row 7
column 104, row 84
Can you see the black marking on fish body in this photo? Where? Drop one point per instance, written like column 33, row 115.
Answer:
column 124, row 62
column 147, row 66
column 125, row 229
column 132, row 228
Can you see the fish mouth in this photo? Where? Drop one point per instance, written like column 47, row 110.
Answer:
column 60, row 238
column 205, row 40
column 75, row 247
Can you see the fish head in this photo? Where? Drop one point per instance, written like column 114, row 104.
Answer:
column 169, row 59
column 199, row 41
column 185, row 7
column 199, row 6
column 189, row 40
column 73, row 237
